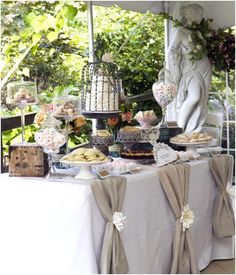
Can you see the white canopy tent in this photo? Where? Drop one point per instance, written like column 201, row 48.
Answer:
column 223, row 12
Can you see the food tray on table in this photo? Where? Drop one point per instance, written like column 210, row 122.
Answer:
column 85, row 158
column 119, row 167
column 192, row 140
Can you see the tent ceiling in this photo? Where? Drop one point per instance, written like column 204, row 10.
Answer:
column 223, row 12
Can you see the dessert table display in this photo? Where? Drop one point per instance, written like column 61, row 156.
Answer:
column 54, row 226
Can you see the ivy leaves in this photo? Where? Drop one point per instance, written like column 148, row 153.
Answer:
column 218, row 45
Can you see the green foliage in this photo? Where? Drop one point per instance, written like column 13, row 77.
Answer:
column 218, row 45
column 142, row 56
column 53, row 28
column 14, row 136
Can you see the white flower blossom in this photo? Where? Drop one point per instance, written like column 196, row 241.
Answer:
column 190, row 39
column 119, row 220
column 209, row 23
column 230, row 189
column 199, row 34
column 107, row 57
column 198, row 47
column 187, row 217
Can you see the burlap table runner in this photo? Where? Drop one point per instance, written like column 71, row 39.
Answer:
column 109, row 195
column 175, row 181
column 223, row 216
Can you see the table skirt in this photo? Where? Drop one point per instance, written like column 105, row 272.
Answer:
column 53, row 227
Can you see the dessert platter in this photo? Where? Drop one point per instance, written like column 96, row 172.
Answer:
column 139, row 140
column 137, row 154
column 192, row 140
column 118, row 167
column 85, row 158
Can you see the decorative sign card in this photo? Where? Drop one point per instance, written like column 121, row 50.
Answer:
column 103, row 174
column 163, row 154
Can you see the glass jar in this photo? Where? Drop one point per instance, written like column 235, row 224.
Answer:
column 67, row 107
column 51, row 137
column 164, row 91
column 21, row 92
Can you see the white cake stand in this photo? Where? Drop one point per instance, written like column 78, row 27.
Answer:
column 191, row 146
column 85, row 171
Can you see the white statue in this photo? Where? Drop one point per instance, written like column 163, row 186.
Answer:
column 192, row 77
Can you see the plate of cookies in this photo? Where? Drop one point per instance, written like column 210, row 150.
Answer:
column 85, row 158
column 191, row 140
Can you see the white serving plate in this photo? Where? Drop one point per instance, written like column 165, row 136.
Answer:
column 85, row 171
column 191, row 146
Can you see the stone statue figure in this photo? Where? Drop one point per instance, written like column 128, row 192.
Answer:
column 193, row 78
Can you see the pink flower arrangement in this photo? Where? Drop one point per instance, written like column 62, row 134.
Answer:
column 114, row 124
column 127, row 117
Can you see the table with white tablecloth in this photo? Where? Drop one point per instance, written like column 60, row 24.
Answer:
column 53, row 226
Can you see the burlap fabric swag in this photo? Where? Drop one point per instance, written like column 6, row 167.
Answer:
column 175, row 182
column 223, row 215
column 109, row 195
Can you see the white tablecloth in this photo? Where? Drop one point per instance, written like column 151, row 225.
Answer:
column 53, row 227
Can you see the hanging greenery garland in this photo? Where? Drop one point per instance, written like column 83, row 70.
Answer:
column 218, row 45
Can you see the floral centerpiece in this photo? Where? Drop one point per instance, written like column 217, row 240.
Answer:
column 114, row 124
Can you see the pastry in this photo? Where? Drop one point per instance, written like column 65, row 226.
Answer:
column 137, row 154
column 67, row 109
column 130, row 129
column 85, row 155
column 191, row 138
column 103, row 133
column 23, row 95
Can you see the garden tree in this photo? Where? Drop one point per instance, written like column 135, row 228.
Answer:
column 49, row 26
column 141, row 58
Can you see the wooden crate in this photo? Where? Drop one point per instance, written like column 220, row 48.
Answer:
column 27, row 160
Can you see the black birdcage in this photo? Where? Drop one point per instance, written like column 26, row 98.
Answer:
column 101, row 89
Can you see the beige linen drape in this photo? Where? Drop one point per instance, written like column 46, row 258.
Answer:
column 175, row 181
column 109, row 195
column 223, row 216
